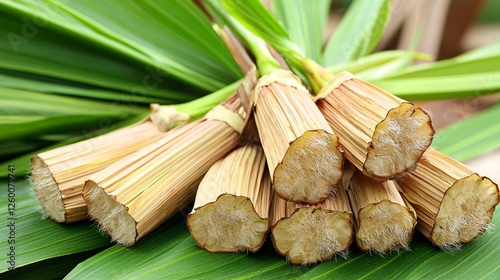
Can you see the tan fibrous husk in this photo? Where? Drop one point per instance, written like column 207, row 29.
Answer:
column 453, row 204
column 232, row 203
column 59, row 175
column 133, row 196
column 382, row 135
column 309, row 233
column 303, row 154
column 384, row 221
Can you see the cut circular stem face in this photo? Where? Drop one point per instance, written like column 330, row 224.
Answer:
column 384, row 226
column 398, row 142
column 230, row 224
column 312, row 235
column 47, row 191
column 465, row 211
column 111, row 215
column 310, row 168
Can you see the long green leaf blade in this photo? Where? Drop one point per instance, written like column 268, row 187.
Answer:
column 442, row 87
column 254, row 16
column 39, row 239
column 304, row 21
column 187, row 48
column 359, row 31
column 170, row 252
column 470, row 137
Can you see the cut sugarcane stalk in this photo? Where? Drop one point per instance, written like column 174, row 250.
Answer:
column 303, row 153
column 59, row 175
column 454, row 205
column 232, row 203
column 307, row 234
column 382, row 135
column 133, row 196
column 384, row 221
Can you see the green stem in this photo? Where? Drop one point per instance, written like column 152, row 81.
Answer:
column 199, row 107
column 266, row 63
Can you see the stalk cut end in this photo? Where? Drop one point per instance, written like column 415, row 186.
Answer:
column 166, row 117
column 112, row 216
column 311, row 235
column 230, row 224
column 46, row 190
column 384, row 226
column 310, row 168
column 465, row 212
column 398, row 142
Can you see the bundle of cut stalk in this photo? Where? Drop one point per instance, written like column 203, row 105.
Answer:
column 231, row 209
column 306, row 234
column 453, row 204
column 133, row 196
column 383, row 135
column 59, row 175
column 303, row 154
column 384, row 221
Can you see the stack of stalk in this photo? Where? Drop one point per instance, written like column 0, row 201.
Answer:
column 59, row 175
column 232, row 203
column 305, row 196
column 384, row 220
column 311, row 219
column 385, row 137
column 136, row 194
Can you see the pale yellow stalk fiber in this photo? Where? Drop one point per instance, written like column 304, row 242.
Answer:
column 382, row 135
column 453, row 204
column 133, row 196
column 167, row 117
column 384, row 222
column 59, row 174
column 303, row 154
column 310, row 233
column 231, row 209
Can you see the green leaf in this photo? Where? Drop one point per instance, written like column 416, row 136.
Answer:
column 358, row 32
column 179, row 38
column 76, row 60
column 100, row 49
column 442, row 87
column 304, row 22
column 54, row 268
column 36, row 146
column 33, row 83
column 38, row 239
column 475, row 62
column 472, row 136
column 170, row 252
column 254, row 16
column 30, row 115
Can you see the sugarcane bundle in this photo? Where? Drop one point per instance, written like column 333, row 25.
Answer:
column 133, row 196
column 230, row 213
column 384, row 221
column 310, row 233
column 454, row 205
column 303, row 153
column 383, row 135
column 59, row 175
